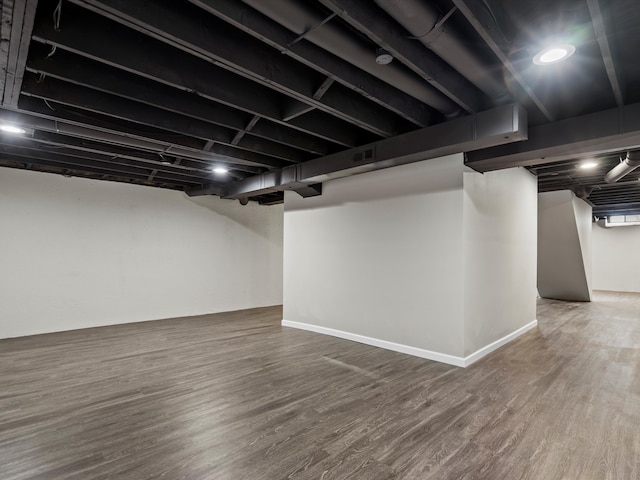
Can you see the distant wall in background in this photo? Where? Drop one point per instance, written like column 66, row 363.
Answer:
column 78, row 253
column 616, row 258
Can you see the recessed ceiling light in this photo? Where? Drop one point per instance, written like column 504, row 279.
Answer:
column 12, row 129
column 220, row 170
column 588, row 165
column 554, row 54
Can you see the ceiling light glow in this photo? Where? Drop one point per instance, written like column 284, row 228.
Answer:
column 588, row 165
column 220, row 170
column 554, row 54
column 12, row 129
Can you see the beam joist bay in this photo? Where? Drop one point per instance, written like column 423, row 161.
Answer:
column 136, row 53
column 221, row 44
column 282, row 39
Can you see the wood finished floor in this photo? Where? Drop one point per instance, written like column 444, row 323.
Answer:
column 235, row 396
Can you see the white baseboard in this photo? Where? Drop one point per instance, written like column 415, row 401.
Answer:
column 478, row 354
column 417, row 352
column 375, row 342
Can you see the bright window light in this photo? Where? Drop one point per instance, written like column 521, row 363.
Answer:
column 220, row 170
column 554, row 54
column 622, row 220
column 11, row 129
column 588, row 165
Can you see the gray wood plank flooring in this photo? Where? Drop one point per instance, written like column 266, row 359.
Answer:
column 236, row 396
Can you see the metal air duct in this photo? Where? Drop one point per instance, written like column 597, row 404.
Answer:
column 302, row 19
column 423, row 21
column 626, row 166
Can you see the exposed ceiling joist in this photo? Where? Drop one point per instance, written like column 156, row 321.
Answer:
column 601, row 35
column 64, row 144
column 243, row 55
column 274, row 90
column 363, row 16
column 133, row 52
column 15, row 32
column 609, row 130
column 40, row 117
column 476, row 15
column 314, row 57
column 101, row 164
column 86, row 99
column 91, row 74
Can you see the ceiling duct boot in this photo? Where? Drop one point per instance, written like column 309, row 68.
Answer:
column 626, row 166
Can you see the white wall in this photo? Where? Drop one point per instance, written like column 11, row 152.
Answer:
column 616, row 258
column 500, row 251
column 78, row 253
column 418, row 258
column 378, row 255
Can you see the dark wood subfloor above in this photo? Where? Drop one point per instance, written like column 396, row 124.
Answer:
column 236, row 396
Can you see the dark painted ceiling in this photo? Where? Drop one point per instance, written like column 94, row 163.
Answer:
column 158, row 93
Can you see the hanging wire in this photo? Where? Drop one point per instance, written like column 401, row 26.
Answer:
column 41, row 78
column 48, row 105
column 57, row 13
column 53, row 50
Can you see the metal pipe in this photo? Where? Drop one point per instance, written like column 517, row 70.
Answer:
column 115, row 138
column 429, row 27
column 303, row 20
column 626, row 166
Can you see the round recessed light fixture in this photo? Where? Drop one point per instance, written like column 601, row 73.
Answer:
column 588, row 165
column 12, row 129
column 220, row 170
column 383, row 57
column 553, row 54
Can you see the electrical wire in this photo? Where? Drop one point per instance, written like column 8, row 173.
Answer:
column 57, row 14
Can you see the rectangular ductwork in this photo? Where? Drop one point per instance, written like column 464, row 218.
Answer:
column 485, row 129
